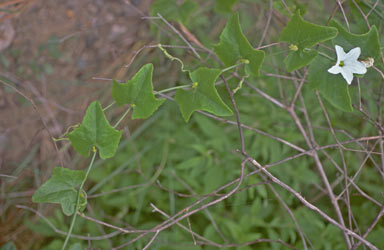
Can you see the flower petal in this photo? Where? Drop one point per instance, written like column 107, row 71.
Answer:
column 352, row 55
column 347, row 74
column 356, row 67
column 340, row 53
column 335, row 69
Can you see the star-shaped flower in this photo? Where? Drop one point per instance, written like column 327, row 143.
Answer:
column 347, row 64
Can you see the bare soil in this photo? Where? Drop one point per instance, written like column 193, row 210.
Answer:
column 58, row 49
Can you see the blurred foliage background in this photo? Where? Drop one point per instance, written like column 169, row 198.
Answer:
column 163, row 160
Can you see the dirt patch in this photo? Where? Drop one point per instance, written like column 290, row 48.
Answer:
column 58, row 47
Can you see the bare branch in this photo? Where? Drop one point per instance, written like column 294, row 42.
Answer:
column 312, row 207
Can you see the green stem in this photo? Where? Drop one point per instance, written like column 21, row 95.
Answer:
column 326, row 56
column 60, row 139
column 121, row 119
column 78, row 201
column 172, row 57
column 240, row 84
column 110, row 105
column 173, row 88
column 231, row 67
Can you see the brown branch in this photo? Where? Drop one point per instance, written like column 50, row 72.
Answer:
column 312, row 207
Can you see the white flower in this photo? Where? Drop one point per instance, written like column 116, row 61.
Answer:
column 347, row 63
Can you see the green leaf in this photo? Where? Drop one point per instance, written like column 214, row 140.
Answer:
column 301, row 35
column 368, row 42
column 138, row 92
column 9, row 246
column 234, row 46
column 298, row 59
column 203, row 95
column 95, row 131
column 333, row 87
column 172, row 10
column 61, row 189
column 304, row 34
column 224, row 6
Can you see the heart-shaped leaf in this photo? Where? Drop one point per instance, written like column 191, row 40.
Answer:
column 234, row 46
column 301, row 35
column 60, row 188
column 138, row 92
column 368, row 42
column 333, row 87
column 203, row 95
column 95, row 131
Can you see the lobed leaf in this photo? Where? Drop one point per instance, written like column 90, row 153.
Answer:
column 202, row 96
column 298, row 59
column 138, row 92
column 234, row 46
column 60, row 188
column 333, row 87
column 368, row 42
column 95, row 131
column 302, row 35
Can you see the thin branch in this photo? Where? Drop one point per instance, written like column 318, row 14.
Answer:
column 206, row 241
column 179, row 34
column 49, row 223
column 344, row 172
column 373, row 8
column 151, row 241
column 290, row 213
column 8, row 176
column 362, row 13
column 266, row 96
column 345, row 17
column 123, row 230
column 370, row 228
column 186, row 213
column 237, row 115
column 268, row 23
column 298, row 91
column 312, row 207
